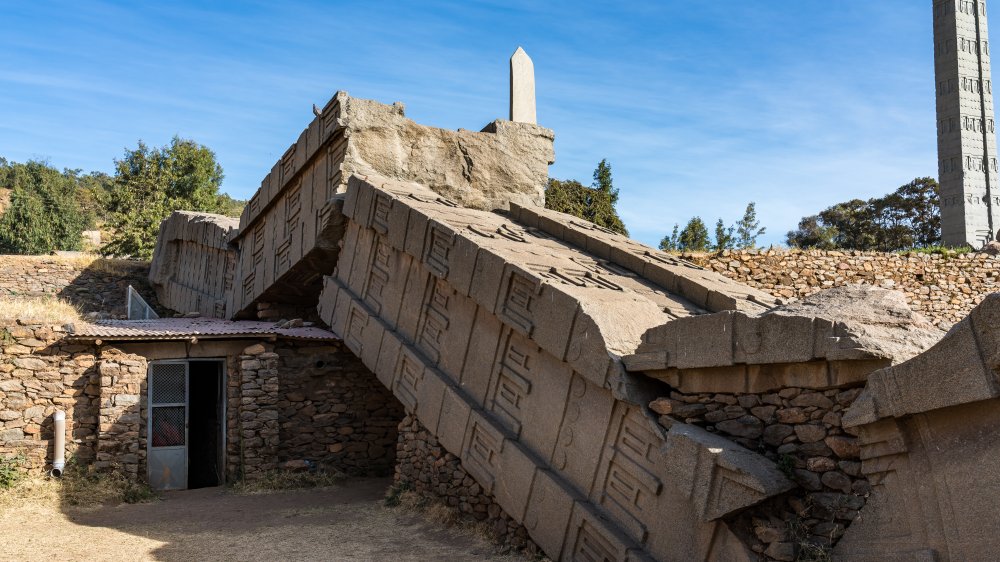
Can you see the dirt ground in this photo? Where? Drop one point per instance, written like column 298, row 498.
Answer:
column 345, row 522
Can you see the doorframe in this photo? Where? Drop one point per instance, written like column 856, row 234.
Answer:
column 149, row 412
column 223, row 399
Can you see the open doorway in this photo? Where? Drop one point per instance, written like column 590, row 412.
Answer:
column 186, row 424
column 205, row 424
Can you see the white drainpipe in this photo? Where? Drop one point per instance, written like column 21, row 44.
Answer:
column 59, row 443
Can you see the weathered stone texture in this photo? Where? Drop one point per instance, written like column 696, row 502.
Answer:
column 928, row 445
column 800, row 430
column 601, row 398
column 413, row 298
column 944, row 289
column 192, row 269
column 966, row 134
column 290, row 227
column 37, row 377
column 297, row 402
column 102, row 393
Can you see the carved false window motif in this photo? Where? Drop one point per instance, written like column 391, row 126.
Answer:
column 513, row 383
column 481, row 454
column 435, row 320
column 378, row 276
column 591, row 545
column 438, row 246
column 517, row 302
column 410, row 374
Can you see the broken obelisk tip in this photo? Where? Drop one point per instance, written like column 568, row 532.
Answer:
column 522, row 88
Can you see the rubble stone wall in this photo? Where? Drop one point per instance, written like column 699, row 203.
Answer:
column 942, row 288
column 284, row 406
column 37, row 377
column 800, row 430
column 94, row 286
column 425, row 467
column 101, row 393
column 333, row 412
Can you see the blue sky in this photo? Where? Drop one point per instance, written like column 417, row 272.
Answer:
column 700, row 106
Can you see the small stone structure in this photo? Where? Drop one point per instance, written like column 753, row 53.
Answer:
column 293, row 402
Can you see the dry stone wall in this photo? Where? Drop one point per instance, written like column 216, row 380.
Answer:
column 334, row 413
column 289, row 406
column 100, row 391
column 800, row 429
column 942, row 288
column 37, row 377
column 501, row 338
column 428, row 469
column 93, row 285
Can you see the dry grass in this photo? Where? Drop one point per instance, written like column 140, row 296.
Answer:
column 281, row 480
column 78, row 487
column 436, row 512
column 104, row 266
column 37, row 310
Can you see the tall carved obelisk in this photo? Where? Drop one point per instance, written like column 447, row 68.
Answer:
column 522, row 88
column 967, row 151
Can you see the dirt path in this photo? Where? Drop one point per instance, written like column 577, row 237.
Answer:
column 346, row 522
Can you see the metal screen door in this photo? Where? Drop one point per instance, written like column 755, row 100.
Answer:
column 167, row 431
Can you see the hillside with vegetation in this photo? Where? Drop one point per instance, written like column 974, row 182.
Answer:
column 45, row 210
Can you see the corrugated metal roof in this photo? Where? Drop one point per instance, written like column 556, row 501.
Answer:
column 187, row 328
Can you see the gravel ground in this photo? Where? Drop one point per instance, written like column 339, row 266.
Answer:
column 345, row 522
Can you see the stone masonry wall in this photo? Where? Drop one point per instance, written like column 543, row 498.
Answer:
column 942, row 288
column 93, row 285
column 121, row 438
column 101, row 393
column 801, row 431
column 255, row 390
column 38, row 376
column 286, row 406
column 425, row 467
column 334, row 413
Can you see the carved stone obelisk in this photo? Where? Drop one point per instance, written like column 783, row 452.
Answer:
column 522, row 88
column 967, row 151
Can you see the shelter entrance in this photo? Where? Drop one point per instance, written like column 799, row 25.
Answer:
column 186, row 426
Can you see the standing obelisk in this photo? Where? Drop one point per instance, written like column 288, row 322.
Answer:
column 522, row 88
column 967, row 151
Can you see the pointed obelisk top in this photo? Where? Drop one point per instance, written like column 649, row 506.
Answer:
column 522, row 88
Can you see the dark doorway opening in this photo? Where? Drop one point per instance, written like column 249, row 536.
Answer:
column 205, row 424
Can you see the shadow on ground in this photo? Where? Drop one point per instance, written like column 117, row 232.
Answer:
column 345, row 522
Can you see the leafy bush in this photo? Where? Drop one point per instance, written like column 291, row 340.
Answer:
column 595, row 204
column 11, row 471
column 44, row 212
column 151, row 183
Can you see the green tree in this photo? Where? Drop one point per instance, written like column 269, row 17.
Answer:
column 694, row 237
column 596, row 204
column 151, row 183
column 812, row 233
column 748, row 228
column 93, row 193
column 44, row 214
column 906, row 218
column 723, row 237
column 671, row 243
